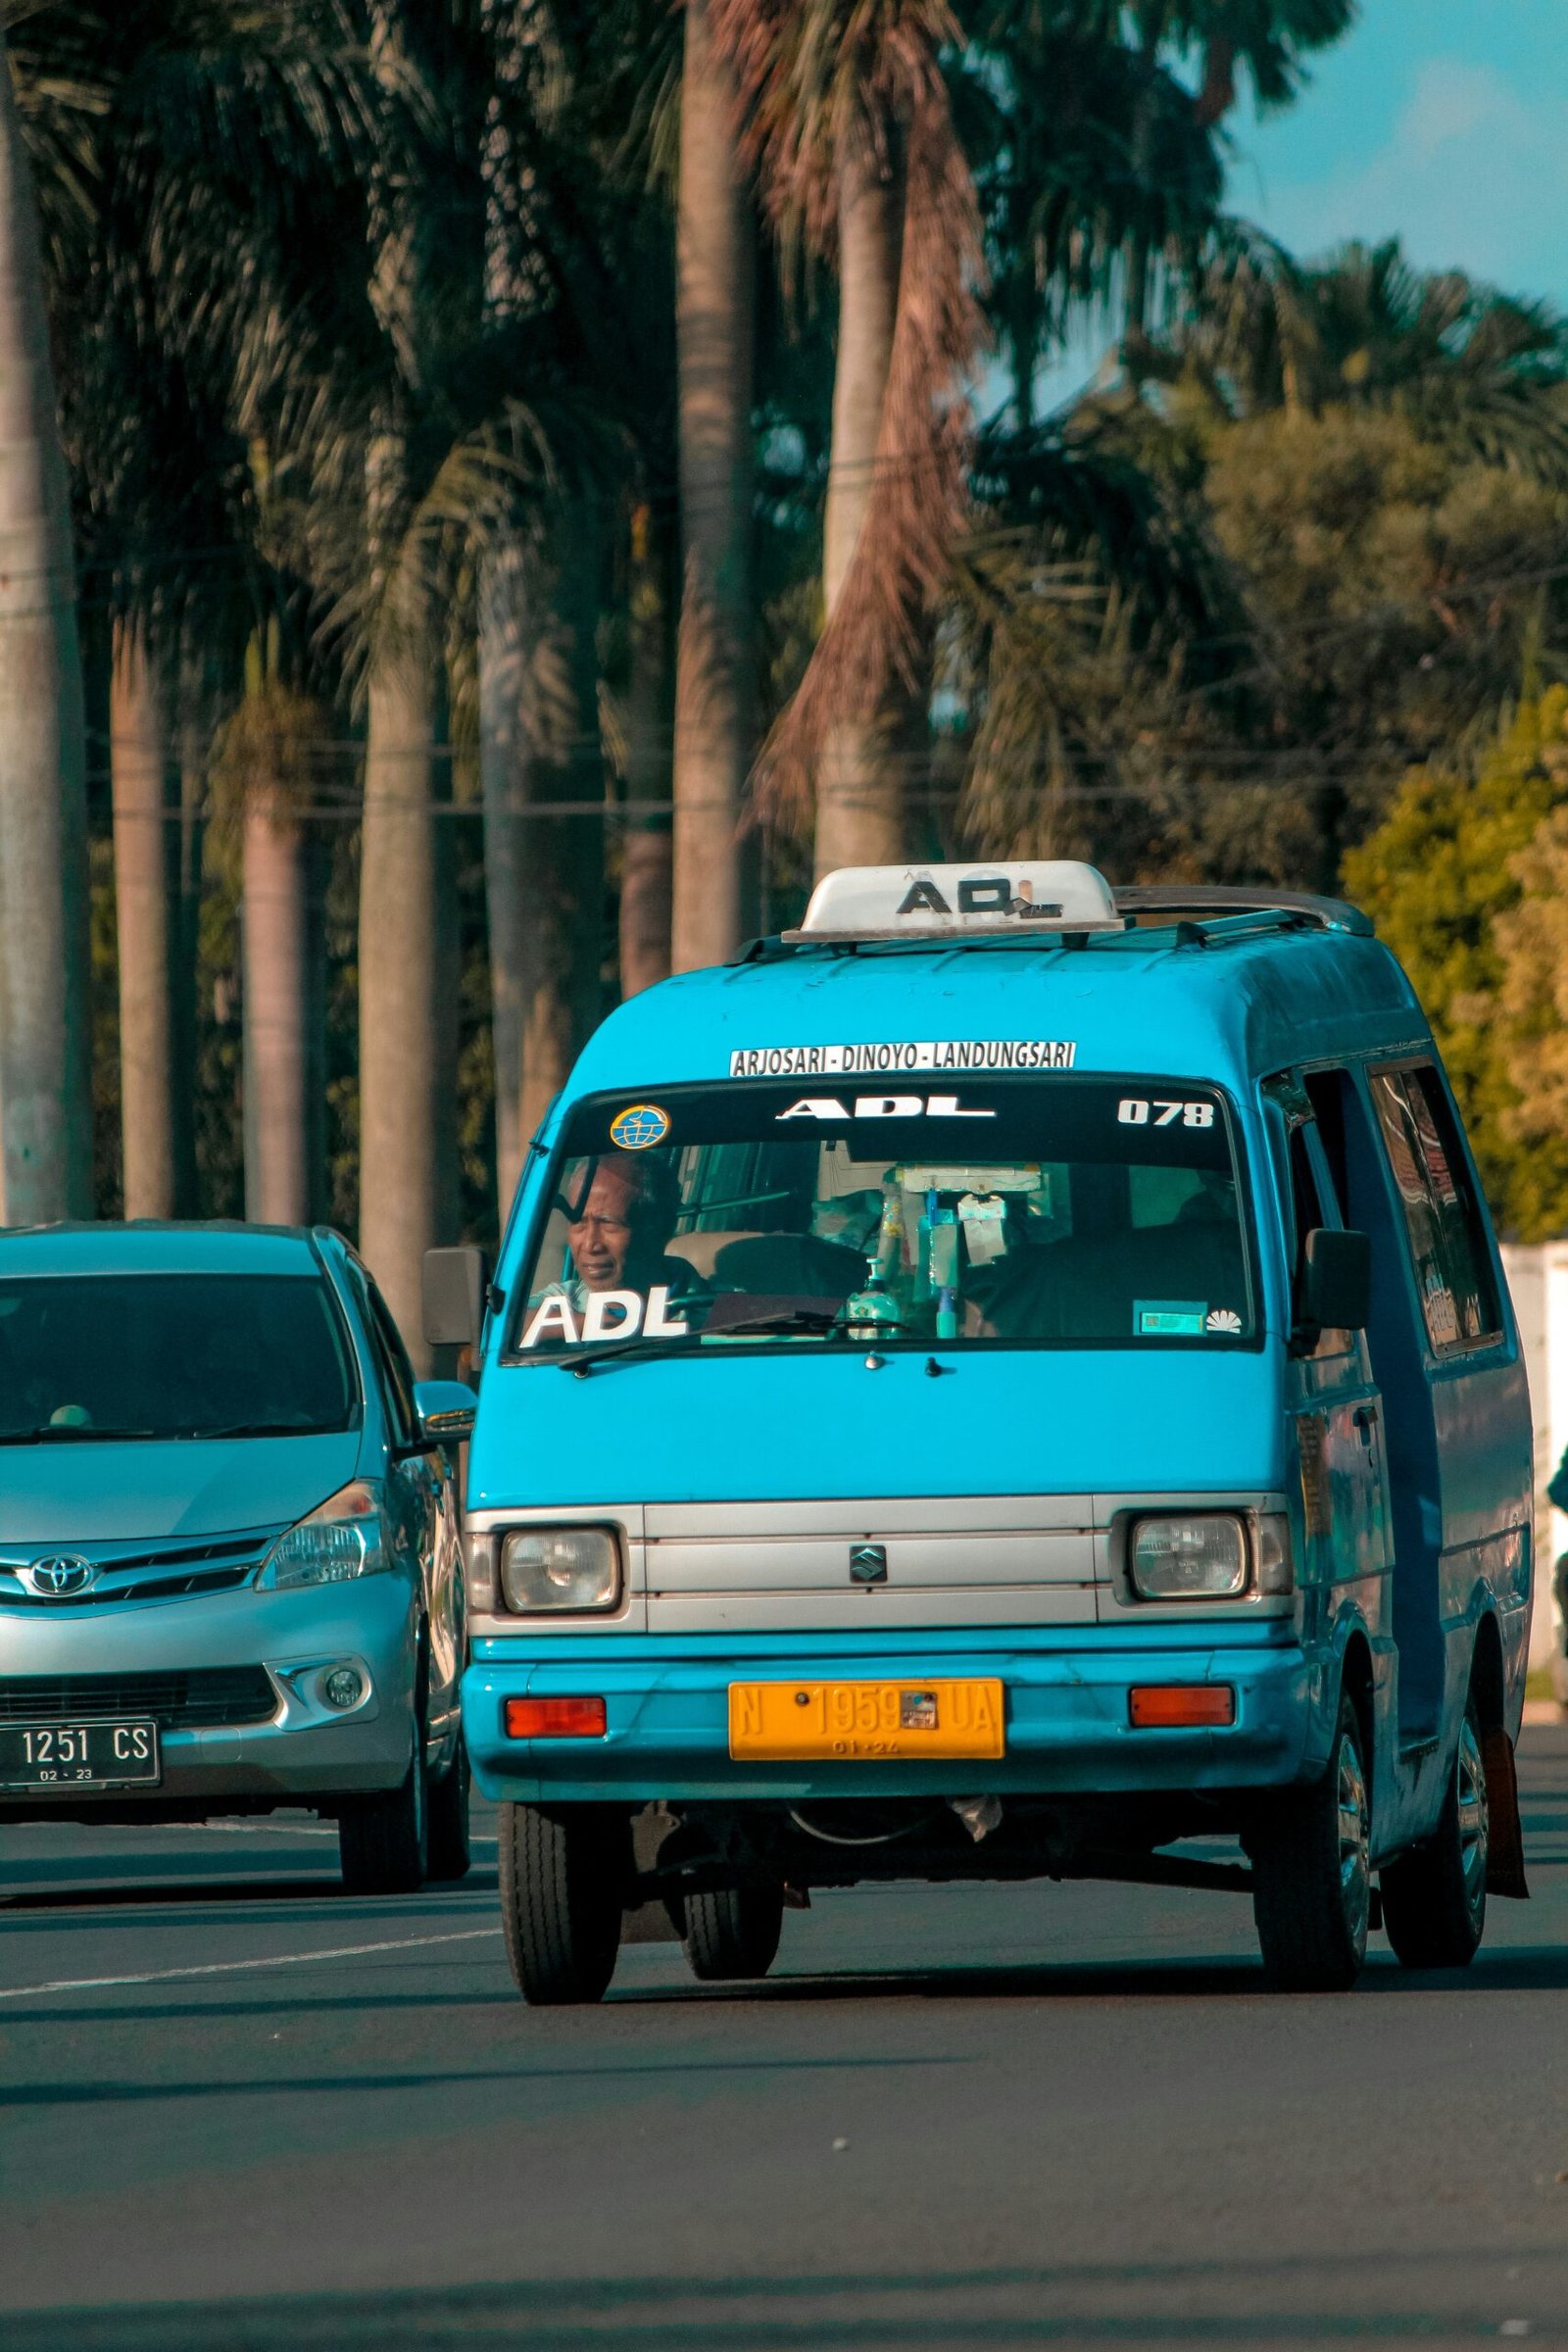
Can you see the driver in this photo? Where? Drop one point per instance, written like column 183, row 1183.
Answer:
column 618, row 1215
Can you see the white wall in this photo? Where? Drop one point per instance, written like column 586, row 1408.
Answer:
column 1538, row 1282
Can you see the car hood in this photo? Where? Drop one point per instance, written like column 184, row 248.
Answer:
column 791, row 1426
column 85, row 1493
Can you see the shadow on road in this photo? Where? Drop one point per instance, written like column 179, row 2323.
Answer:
column 1230, row 2303
column 227, row 1895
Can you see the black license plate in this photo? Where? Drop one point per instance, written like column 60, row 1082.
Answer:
column 121, row 1754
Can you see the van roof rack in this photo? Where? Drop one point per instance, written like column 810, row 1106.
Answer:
column 1196, row 901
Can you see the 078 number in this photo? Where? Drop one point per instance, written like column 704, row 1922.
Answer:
column 1132, row 1111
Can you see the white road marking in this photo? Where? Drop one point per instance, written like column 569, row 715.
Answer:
column 224, row 1968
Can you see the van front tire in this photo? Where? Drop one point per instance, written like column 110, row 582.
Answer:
column 1311, row 1873
column 563, row 1880
column 1434, row 1899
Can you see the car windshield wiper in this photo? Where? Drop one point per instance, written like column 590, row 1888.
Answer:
column 260, row 1429
column 73, row 1433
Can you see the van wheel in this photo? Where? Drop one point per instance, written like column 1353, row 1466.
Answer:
column 732, row 1932
column 383, row 1842
column 450, row 1854
column 1311, row 1874
column 564, row 1878
column 1434, row 1899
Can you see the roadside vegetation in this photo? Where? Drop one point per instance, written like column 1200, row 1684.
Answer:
column 498, row 493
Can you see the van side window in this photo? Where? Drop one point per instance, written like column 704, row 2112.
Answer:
column 1325, row 1091
column 1447, row 1241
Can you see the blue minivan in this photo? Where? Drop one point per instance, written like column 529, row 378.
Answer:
column 1004, row 1381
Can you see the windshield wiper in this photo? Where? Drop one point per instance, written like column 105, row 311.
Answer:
column 260, row 1429
column 72, row 1433
column 582, row 1360
column 814, row 1319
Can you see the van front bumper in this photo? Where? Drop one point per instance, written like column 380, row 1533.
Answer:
column 299, row 1750
column 1069, row 1727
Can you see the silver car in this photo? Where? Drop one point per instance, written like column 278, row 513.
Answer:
column 231, row 1572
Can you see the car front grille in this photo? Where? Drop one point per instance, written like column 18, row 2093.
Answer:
column 202, row 1695
column 138, row 1573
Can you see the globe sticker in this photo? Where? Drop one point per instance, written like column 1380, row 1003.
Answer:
column 640, row 1127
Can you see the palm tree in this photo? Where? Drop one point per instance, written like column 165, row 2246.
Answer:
column 851, row 120
column 177, row 296
column 715, row 268
column 146, row 884
column 46, row 1085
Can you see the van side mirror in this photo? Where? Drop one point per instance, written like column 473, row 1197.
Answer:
column 1336, row 1280
column 453, row 1288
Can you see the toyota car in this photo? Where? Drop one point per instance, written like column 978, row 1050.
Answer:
column 229, row 1546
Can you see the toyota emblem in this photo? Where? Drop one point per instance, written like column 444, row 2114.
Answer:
column 60, row 1576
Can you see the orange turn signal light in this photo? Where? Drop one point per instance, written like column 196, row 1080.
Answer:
column 554, row 1718
column 1178, row 1706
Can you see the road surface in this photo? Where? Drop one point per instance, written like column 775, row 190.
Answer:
column 242, row 2113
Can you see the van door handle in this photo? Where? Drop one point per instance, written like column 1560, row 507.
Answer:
column 1367, row 1421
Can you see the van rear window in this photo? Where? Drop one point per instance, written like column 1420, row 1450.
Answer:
column 971, row 1211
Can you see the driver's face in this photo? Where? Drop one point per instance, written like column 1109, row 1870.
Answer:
column 601, row 1232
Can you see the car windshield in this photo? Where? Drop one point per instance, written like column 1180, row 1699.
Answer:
column 171, row 1355
column 1053, row 1213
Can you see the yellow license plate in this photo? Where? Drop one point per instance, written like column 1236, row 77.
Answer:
column 861, row 1721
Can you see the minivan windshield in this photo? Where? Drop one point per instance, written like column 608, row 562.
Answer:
column 171, row 1355
column 971, row 1212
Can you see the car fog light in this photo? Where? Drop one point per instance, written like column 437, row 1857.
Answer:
column 343, row 1686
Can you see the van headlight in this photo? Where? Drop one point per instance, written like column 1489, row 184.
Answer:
column 560, row 1568
column 345, row 1537
column 1204, row 1555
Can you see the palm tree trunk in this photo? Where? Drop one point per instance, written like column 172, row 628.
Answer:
column 859, row 795
column 408, row 1128
column 544, row 872
column 284, row 985
column 45, row 1052
column 146, row 848
column 646, row 861
column 716, row 261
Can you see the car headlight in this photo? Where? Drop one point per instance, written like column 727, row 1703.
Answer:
column 344, row 1537
column 1202, row 1558
column 560, row 1568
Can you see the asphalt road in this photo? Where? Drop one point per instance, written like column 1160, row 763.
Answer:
column 243, row 2112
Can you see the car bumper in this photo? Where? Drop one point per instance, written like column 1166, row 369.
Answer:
column 302, row 1750
column 1068, row 1727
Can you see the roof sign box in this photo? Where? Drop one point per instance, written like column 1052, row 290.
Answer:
column 958, row 901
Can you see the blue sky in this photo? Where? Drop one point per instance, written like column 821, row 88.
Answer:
column 1444, row 121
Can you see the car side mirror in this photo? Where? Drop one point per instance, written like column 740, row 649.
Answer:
column 453, row 1288
column 1336, row 1280
column 446, row 1410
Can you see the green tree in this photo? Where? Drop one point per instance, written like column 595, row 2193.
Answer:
column 1443, row 877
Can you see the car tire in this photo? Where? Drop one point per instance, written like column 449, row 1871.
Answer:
column 1311, row 1874
column 563, row 1881
column 732, row 1932
column 1434, row 1898
column 384, row 1840
column 450, row 1852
